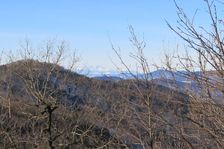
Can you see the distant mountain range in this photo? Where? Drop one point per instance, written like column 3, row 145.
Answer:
column 176, row 80
column 179, row 76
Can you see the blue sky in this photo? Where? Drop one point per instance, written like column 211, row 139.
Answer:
column 89, row 25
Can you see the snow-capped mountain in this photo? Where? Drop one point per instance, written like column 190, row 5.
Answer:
column 97, row 71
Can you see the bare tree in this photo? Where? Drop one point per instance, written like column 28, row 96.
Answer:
column 205, row 74
column 154, row 119
column 44, row 105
